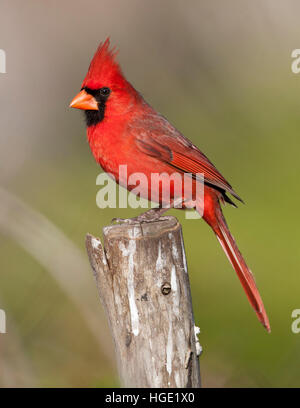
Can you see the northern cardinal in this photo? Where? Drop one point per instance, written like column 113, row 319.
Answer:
column 122, row 129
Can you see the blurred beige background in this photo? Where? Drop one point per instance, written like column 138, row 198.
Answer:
column 221, row 72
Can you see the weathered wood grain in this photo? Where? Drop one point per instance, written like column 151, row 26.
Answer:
column 143, row 284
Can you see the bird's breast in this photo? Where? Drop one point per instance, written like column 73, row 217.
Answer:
column 119, row 155
column 114, row 147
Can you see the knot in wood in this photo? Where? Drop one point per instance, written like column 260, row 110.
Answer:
column 166, row 288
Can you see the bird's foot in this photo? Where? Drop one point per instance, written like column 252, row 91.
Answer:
column 154, row 214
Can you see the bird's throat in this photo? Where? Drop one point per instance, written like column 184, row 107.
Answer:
column 93, row 117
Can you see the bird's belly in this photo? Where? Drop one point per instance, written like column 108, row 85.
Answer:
column 144, row 175
column 151, row 179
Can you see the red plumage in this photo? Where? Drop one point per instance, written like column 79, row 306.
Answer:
column 103, row 67
column 131, row 132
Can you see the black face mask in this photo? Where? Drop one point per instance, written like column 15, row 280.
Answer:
column 93, row 117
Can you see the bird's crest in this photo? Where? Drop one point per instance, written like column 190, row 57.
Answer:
column 104, row 70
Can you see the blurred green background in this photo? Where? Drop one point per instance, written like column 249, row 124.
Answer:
column 221, row 72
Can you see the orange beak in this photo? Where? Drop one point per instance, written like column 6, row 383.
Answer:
column 84, row 101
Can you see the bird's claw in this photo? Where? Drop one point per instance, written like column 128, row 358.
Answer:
column 143, row 218
column 124, row 220
column 132, row 221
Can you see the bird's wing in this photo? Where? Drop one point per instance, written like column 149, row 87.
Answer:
column 156, row 137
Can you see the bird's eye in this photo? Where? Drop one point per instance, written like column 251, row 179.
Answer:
column 105, row 91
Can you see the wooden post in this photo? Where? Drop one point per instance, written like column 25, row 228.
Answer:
column 144, row 287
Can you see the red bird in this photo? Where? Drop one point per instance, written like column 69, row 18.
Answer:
column 122, row 129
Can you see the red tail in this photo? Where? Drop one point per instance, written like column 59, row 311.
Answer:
column 245, row 276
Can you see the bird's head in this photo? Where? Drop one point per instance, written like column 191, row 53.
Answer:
column 105, row 92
